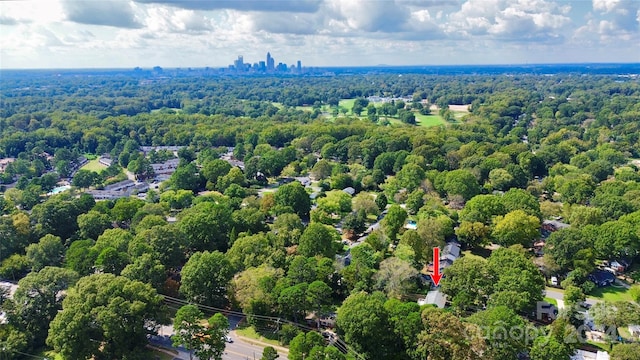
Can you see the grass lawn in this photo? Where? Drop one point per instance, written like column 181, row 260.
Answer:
column 478, row 251
column 551, row 301
column 611, row 293
column 347, row 104
column 50, row 354
column 251, row 333
column 602, row 346
column 93, row 165
column 429, row 120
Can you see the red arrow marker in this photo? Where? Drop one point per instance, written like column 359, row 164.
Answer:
column 436, row 276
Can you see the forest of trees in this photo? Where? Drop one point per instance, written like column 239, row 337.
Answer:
column 530, row 148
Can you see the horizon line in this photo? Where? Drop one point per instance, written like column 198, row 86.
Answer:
column 329, row 66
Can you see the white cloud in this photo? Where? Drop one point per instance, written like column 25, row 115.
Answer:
column 320, row 32
column 163, row 19
column 242, row 5
column 606, row 5
column 115, row 13
column 514, row 20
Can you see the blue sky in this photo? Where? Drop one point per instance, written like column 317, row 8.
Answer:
column 197, row 33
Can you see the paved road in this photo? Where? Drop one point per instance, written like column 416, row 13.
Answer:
column 236, row 350
column 241, row 350
column 559, row 295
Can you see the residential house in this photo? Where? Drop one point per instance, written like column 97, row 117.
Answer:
column 5, row 162
column 434, row 297
column 349, row 190
column 619, row 266
column 590, row 355
column 121, row 185
column 602, row 278
column 451, row 251
column 634, row 330
column 105, row 160
column 147, row 149
column 166, row 168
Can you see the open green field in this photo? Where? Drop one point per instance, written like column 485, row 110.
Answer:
column 611, row 293
column 429, row 120
column 432, row 119
column 347, row 104
column 251, row 333
column 93, row 165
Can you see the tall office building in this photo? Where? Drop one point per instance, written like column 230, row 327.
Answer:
column 270, row 62
column 299, row 65
column 239, row 64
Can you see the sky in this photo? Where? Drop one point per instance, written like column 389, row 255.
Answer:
column 199, row 33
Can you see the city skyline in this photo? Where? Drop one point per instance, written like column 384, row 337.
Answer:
column 193, row 33
column 266, row 66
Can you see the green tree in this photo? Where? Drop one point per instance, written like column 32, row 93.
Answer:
column 187, row 177
column 518, row 199
column 563, row 246
column 47, row 252
column 288, row 228
column 581, row 215
column 483, row 208
column 93, row 224
column 38, row 299
column 445, row 337
column 105, row 316
column 410, row 176
column 381, row 201
column 461, row 182
column 415, row 201
column 84, row 178
column 295, row 197
column 549, row 348
column 255, row 285
column 318, row 296
column 321, row 170
column 269, row 353
column 573, row 295
column 167, row 243
column 516, row 227
column 213, row 170
column 146, row 269
column 467, row 282
column 80, row 258
column 301, row 345
column 395, row 277
column 365, row 324
column 189, row 332
column 625, row 352
column 125, row 209
column 616, row 238
column 473, row 234
column 205, row 226
column 207, row 342
column 500, row 179
column 394, row 221
column 235, row 176
column 505, row 329
column 318, row 239
column 517, row 282
column 249, row 251
column 205, row 278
